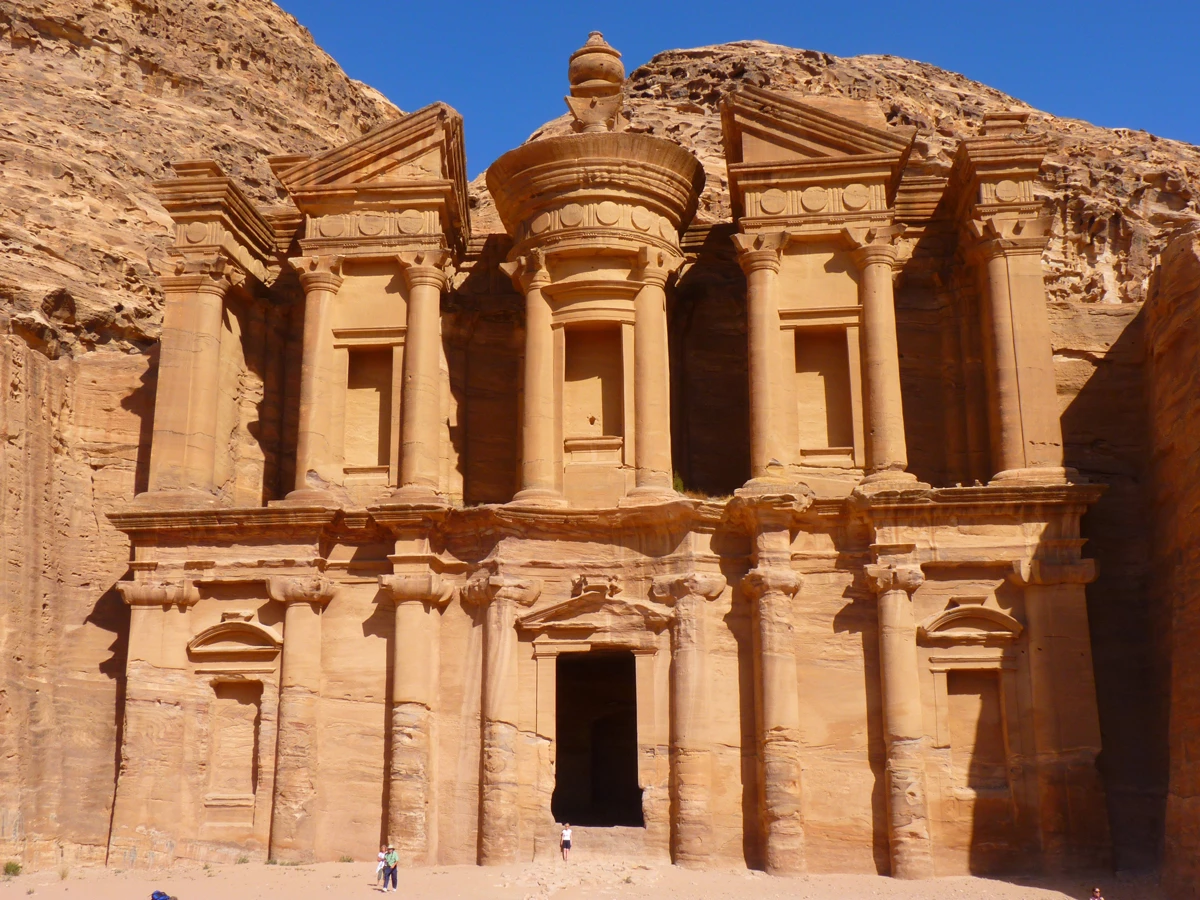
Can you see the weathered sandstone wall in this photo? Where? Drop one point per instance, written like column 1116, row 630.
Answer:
column 97, row 99
column 1173, row 329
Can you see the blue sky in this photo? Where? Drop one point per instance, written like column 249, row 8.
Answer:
column 503, row 65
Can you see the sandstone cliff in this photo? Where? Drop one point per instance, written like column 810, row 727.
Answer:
column 95, row 101
column 98, row 99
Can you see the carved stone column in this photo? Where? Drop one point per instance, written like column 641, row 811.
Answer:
column 293, row 825
column 499, row 811
column 182, row 454
column 904, row 731
column 539, row 456
column 652, row 375
column 412, row 825
column 156, row 658
column 421, row 403
column 1026, row 430
column 771, row 589
column 320, row 276
column 691, row 757
column 760, row 256
column 875, row 256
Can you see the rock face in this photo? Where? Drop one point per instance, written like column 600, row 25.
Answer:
column 97, row 99
column 123, row 90
column 1173, row 350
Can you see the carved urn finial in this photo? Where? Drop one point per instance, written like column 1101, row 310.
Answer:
column 597, row 78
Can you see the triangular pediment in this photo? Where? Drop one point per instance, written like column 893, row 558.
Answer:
column 597, row 611
column 422, row 146
column 762, row 127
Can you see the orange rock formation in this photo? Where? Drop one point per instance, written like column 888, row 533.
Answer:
column 408, row 549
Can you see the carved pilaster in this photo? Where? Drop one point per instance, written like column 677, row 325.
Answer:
column 499, row 811
column 293, row 828
column 691, row 756
column 412, row 791
column 908, row 808
column 770, row 590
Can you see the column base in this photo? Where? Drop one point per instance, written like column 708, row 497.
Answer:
column 650, row 495
column 184, row 498
column 310, row 497
column 889, row 481
column 535, row 497
column 1036, row 475
column 418, row 495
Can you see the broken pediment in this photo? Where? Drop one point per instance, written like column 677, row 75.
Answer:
column 415, row 161
column 234, row 639
column 970, row 624
column 598, row 609
column 764, row 127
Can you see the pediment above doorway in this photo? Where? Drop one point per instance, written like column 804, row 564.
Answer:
column 598, row 608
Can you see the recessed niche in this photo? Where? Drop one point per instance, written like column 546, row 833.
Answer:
column 368, row 408
column 592, row 393
column 825, row 409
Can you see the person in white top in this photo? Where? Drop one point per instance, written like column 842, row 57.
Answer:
column 379, row 868
column 564, row 841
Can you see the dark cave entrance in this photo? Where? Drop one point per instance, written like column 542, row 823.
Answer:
column 596, row 776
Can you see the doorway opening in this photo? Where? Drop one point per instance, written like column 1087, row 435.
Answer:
column 596, row 775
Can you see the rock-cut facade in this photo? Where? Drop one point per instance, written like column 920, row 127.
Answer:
column 448, row 539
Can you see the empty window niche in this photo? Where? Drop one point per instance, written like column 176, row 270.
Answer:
column 825, row 408
column 233, row 751
column 593, row 403
column 977, row 744
column 369, row 411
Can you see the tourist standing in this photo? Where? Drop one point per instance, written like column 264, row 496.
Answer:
column 379, row 868
column 564, row 841
column 390, row 862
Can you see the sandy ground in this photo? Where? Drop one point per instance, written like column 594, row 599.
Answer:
column 586, row 880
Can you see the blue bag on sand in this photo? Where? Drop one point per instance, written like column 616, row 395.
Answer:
column 160, row 895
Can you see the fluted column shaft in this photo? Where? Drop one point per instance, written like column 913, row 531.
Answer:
column 420, row 424
column 904, row 730
column 412, row 826
column 887, row 454
column 652, row 375
column 760, row 260
column 499, row 809
column 183, row 452
column 691, row 757
column 771, row 589
column 320, row 277
column 293, row 819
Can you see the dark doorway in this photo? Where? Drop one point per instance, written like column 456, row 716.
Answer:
column 596, row 773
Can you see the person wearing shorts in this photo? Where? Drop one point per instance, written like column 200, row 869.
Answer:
column 380, row 867
column 564, row 841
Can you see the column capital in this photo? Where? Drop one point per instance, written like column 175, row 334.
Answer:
column 426, row 267
column 483, row 588
column 214, row 274
column 668, row 589
column 158, row 593
column 874, row 246
column 417, row 587
column 318, row 273
column 289, row 589
column 528, row 271
column 884, row 578
column 655, row 266
column 760, row 581
column 1008, row 234
column 760, row 251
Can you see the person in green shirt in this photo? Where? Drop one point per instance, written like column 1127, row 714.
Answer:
column 390, row 862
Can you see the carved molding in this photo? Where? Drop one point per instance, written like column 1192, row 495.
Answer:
column 159, row 593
